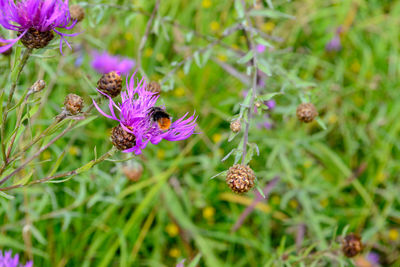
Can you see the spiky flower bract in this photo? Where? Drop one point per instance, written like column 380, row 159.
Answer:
column 35, row 18
column 7, row 260
column 134, row 116
column 104, row 63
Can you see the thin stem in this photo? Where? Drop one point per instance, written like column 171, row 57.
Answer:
column 62, row 175
column 254, row 83
column 145, row 37
column 20, row 67
column 2, row 181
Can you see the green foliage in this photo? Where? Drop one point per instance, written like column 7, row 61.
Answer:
column 338, row 174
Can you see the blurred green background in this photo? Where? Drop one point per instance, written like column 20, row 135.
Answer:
column 344, row 178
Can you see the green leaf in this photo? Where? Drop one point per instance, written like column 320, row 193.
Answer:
column 264, row 66
column 267, row 97
column 269, row 13
column 6, row 196
column 262, row 41
column 239, row 8
column 197, row 58
column 246, row 58
column 321, row 123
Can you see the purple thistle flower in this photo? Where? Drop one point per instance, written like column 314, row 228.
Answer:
column 260, row 48
column 104, row 63
column 7, row 260
column 373, row 258
column 271, row 104
column 334, row 44
column 135, row 117
column 40, row 15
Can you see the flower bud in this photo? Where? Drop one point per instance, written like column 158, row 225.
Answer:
column 236, row 126
column 240, row 178
column 110, row 84
column 73, row 104
column 77, row 12
column 38, row 86
column 306, row 112
column 133, row 173
column 122, row 139
column 351, row 245
column 153, row 87
column 36, row 39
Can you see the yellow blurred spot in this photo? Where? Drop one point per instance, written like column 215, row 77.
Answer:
column 324, row 203
column 307, row 164
column 242, row 39
column 180, row 91
column 128, row 36
column 161, row 154
column 275, row 200
column 74, row 151
column 234, row 198
column 181, row 74
column 358, row 100
column 293, row 203
column 393, row 234
column 235, row 46
column 214, row 26
column 208, row 213
column 46, row 155
column 159, row 57
column 172, row 230
column 332, row 119
column 174, row 252
column 381, row 177
column 148, row 52
column 216, row 137
column 206, row 3
column 355, row 66
column 268, row 27
column 222, row 57
column 220, row 151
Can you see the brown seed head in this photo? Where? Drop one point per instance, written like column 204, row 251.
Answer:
column 351, row 245
column 36, row 39
column 153, row 87
column 110, row 84
column 122, row 139
column 236, row 126
column 306, row 112
column 73, row 104
column 77, row 12
column 133, row 173
column 240, row 178
column 38, row 86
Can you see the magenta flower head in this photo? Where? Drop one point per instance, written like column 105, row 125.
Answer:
column 36, row 21
column 7, row 260
column 104, row 63
column 138, row 116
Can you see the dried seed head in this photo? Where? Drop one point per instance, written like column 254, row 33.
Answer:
column 153, row 87
column 38, row 86
column 36, row 39
column 77, row 12
column 240, row 178
column 236, row 126
column 122, row 139
column 351, row 245
column 7, row 52
column 306, row 112
column 73, row 104
column 110, row 84
column 133, row 173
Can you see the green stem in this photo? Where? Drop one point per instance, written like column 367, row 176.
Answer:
column 20, row 67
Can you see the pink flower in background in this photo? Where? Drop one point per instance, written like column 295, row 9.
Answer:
column 260, row 48
column 7, row 260
column 104, row 63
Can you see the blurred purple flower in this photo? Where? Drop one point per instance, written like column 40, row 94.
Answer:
column 373, row 258
column 271, row 104
column 7, row 260
column 181, row 264
column 260, row 48
column 135, row 117
column 334, row 44
column 266, row 125
column 40, row 15
column 104, row 63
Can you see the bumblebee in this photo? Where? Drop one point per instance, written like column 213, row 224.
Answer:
column 160, row 116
